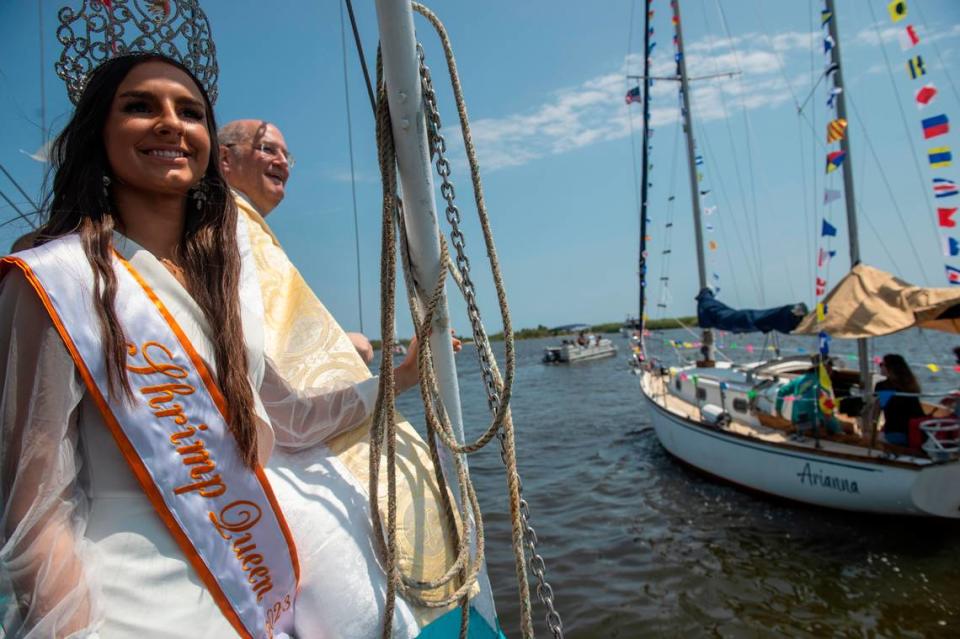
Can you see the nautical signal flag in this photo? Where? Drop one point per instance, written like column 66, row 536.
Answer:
column 925, row 94
column 834, row 92
column 828, row 230
column 951, row 247
column 834, row 160
column 915, row 67
column 898, row 10
column 829, row 195
column 821, row 286
column 942, row 187
column 827, row 43
column 940, row 157
column 821, row 311
column 823, row 343
column 825, row 17
column 937, row 125
column 633, row 95
column 835, row 129
column 945, row 217
column 824, row 257
column 953, row 275
column 712, row 244
column 909, row 37
column 827, row 401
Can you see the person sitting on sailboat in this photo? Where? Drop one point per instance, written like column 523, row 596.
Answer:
column 898, row 409
column 256, row 164
column 803, row 392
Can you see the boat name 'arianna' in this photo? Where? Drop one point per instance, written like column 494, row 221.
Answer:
column 808, row 476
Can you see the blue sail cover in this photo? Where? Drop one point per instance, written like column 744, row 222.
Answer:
column 714, row 314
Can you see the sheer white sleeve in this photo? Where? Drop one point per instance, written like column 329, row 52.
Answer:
column 45, row 565
column 304, row 418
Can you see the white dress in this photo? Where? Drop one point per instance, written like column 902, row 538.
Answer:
column 82, row 549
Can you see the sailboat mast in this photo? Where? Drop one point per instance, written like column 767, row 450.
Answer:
column 691, row 169
column 847, row 168
column 645, row 170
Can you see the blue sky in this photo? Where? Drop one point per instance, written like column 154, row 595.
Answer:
column 544, row 82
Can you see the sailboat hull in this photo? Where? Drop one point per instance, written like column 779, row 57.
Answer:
column 811, row 478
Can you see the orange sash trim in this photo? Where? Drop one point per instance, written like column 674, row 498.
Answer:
column 136, row 464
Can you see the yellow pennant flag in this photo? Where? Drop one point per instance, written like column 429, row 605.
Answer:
column 827, row 402
column 898, row 10
column 821, row 312
column 933, row 368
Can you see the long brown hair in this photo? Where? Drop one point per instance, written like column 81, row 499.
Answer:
column 899, row 373
column 208, row 253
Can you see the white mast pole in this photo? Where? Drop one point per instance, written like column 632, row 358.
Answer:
column 401, row 70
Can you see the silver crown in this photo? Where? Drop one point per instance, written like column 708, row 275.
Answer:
column 104, row 29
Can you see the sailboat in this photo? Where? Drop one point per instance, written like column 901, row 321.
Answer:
column 723, row 419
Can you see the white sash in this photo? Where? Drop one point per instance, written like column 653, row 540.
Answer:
column 175, row 437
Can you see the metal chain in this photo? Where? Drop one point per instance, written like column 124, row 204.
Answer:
column 439, row 147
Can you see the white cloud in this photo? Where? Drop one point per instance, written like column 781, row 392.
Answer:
column 343, row 175
column 594, row 110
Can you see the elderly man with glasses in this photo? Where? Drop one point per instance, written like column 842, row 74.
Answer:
column 256, row 163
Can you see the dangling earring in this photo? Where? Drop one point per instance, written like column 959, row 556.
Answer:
column 200, row 194
column 106, row 187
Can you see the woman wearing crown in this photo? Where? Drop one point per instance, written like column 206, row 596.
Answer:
column 133, row 383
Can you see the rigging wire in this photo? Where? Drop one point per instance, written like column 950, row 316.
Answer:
column 747, row 138
column 633, row 141
column 754, row 267
column 636, row 181
column 714, row 171
column 353, row 176
column 363, row 59
column 886, row 183
column 861, row 214
column 19, row 188
column 793, row 96
column 664, row 282
column 43, row 66
column 903, row 120
column 815, row 167
column 20, row 214
column 752, row 231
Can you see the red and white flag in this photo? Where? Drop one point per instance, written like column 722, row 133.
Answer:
column 909, row 37
column 925, row 95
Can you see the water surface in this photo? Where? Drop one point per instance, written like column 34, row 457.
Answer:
column 637, row 545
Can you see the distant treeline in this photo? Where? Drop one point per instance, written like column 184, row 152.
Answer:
column 543, row 331
column 609, row 327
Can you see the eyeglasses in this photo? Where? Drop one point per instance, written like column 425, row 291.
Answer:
column 271, row 151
